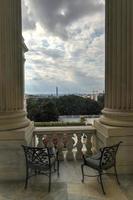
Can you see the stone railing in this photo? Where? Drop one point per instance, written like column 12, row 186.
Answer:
column 72, row 142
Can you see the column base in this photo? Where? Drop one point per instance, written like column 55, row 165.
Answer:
column 13, row 120
column 116, row 118
column 12, row 160
column 108, row 135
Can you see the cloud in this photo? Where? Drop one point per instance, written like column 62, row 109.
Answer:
column 66, row 46
column 57, row 15
column 28, row 21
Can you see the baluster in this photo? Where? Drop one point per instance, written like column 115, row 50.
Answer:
column 60, row 146
column 55, row 141
column 40, row 140
column 50, row 140
column 69, row 145
column 64, row 141
column 75, row 140
column 79, row 147
column 88, row 144
column 45, row 140
column 84, row 143
column 93, row 144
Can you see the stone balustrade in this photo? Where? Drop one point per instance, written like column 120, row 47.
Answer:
column 72, row 142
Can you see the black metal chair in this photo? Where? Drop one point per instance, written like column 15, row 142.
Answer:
column 102, row 161
column 40, row 161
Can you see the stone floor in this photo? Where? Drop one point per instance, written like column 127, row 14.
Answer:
column 68, row 187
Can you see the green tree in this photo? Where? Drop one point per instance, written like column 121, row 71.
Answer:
column 76, row 105
column 41, row 110
column 33, row 109
column 49, row 111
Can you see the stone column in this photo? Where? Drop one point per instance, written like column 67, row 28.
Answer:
column 12, row 114
column 118, row 109
column 15, row 128
column 116, row 123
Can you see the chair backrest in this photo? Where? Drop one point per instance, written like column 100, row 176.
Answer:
column 36, row 155
column 108, row 156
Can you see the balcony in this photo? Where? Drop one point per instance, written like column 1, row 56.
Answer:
column 71, row 142
column 116, row 123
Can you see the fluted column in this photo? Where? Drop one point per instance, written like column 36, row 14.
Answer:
column 12, row 114
column 118, row 109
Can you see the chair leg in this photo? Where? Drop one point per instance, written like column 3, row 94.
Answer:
column 101, row 182
column 58, row 167
column 54, row 167
column 116, row 175
column 98, row 180
column 35, row 172
column 82, row 170
column 49, row 187
column 26, row 179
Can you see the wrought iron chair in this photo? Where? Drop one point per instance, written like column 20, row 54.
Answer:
column 102, row 161
column 40, row 161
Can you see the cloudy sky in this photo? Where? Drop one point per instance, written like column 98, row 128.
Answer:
column 65, row 39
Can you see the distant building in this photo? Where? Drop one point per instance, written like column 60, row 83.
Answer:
column 57, row 94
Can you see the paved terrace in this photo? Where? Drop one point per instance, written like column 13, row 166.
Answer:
column 68, row 187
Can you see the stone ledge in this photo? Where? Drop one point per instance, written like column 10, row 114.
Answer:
column 66, row 129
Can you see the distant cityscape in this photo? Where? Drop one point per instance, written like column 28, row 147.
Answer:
column 92, row 95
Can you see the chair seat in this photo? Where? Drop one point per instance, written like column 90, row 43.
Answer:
column 93, row 161
column 39, row 166
column 42, row 166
